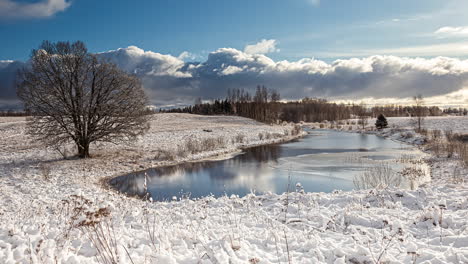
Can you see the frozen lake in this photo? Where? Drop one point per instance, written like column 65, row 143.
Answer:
column 322, row 161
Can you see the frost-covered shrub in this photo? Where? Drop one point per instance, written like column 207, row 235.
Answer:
column 277, row 135
column 194, row 146
column 463, row 153
column 436, row 134
column 261, row 136
column 240, row 138
column 380, row 176
column 407, row 135
column 296, row 130
column 162, row 154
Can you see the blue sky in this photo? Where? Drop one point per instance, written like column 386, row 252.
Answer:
column 380, row 51
column 326, row 29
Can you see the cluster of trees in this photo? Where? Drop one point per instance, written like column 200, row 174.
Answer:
column 263, row 106
column 316, row 110
column 456, row 111
column 13, row 113
column 400, row 111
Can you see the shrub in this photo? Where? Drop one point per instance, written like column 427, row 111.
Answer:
column 380, row 176
column 436, row 134
column 463, row 153
column 165, row 155
column 240, row 138
column 381, row 122
column 277, row 135
column 261, row 136
column 296, row 130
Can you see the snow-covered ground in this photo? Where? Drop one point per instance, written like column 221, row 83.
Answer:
column 458, row 124
column 57, row 211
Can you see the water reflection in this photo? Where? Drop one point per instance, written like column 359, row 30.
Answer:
column 322, row 161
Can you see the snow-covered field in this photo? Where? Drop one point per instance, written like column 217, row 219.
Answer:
column 57, row 211
column 458, row 124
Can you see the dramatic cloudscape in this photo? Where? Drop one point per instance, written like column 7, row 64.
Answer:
column 361, row 50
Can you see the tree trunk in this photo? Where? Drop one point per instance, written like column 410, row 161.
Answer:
column 83, row 149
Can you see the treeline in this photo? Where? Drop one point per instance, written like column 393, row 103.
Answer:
column 400, row 111
column 456, row 111
column 13, row 113
column 265, row 106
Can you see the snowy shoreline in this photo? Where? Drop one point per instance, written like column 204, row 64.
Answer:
column 47, row 219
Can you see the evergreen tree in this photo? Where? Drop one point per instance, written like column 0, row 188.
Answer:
column 381, row 122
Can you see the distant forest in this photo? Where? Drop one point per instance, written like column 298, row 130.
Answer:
column 265, row 106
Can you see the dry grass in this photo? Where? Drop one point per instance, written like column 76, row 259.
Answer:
column 378, row 177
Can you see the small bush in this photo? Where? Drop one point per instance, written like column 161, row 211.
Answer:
column 194, row 146
column 296, row 130
column 463, row 153
column 380, row 177
column 423, row 132
column 240, row 138
column 261, row 136
column 436, row 134
column 45, row 171
column 407, row 135
column 165, row 155
column 449, row 135
column 322, row 125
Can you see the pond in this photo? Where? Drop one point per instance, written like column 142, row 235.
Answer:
column 322, row 161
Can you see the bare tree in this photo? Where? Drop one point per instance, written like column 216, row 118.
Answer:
column 419, row 110
column 363, row 115
column 72, row 95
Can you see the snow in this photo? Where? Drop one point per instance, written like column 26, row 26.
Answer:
column 65, row 214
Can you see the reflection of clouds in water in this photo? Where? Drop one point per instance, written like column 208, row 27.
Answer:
column 262, row 177
column 133, row 184
column 266, row 168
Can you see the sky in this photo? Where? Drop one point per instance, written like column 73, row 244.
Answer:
column 310, row 36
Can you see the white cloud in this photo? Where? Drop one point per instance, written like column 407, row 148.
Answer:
column 45, row 8
column 187, row 56
column 136, row 60
column 263, row 47
column 170, row 80
column 452, row 32
column 231, row 70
